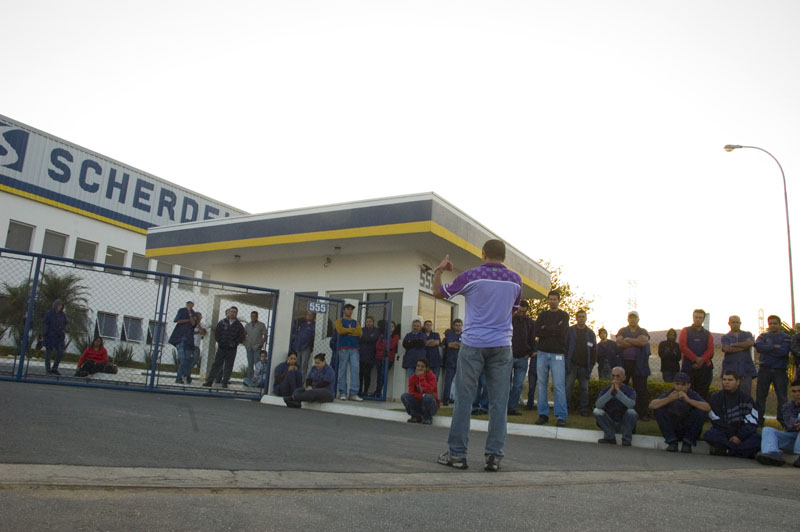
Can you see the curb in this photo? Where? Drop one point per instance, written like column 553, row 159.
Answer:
column 480, row 425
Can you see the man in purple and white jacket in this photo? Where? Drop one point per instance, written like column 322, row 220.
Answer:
column 493, row 293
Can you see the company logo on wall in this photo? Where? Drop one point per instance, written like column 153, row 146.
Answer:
column 13, row 144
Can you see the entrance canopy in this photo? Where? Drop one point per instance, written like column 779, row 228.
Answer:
column 421, row 222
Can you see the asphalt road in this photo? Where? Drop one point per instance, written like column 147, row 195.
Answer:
column 220, row 464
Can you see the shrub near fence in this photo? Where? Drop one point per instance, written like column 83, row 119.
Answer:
column 654, row 389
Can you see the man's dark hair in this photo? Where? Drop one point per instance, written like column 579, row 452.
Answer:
column 495, row 249
column 459, row 320
column 602, row 330
column 554, row 293
column 254, row 312
column 773, row 316
column 425, row 361
column 234, row 308
column 580, row 311
column 795, row 383
column 699, row 311
column 732, row 374
column 320, row 356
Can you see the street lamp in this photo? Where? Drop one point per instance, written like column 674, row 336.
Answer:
column 731, row 147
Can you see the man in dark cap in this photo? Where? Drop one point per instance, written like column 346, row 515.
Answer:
column 680, row 414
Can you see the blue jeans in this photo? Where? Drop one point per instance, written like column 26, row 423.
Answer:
column 519, row 368
column 185, row 360
column 351, row 357
column 545, row 363
column 481, row 401
column 252, row 356
column 303, row 357
column 582, row 375
column 496, row 363
column 609, row 426
column 773, row 441
column 425, row 409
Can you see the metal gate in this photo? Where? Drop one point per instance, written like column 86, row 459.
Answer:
column 132, row 311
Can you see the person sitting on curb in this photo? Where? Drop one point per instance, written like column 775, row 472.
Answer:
column 288, row 376
column 94, row 360
column 614, row 410
column 421, row 401
column 734, row 421
column 319, row 385
column 680, row 414
column 773, row 440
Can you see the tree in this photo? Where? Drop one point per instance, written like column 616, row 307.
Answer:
column 67, row 288
column 571, row 302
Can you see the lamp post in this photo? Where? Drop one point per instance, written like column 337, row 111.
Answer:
column 731, row 147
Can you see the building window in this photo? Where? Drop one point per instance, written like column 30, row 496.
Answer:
column 132, row 329
column 106, row 326
column 139, row 262
column 151, row 332
column 163, row 267
column 85, row 250
column 54, row 244
column 114, row 257
column 440, row 312
column 19, row 236
column 186, row 272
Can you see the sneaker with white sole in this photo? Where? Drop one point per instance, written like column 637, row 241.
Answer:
column 492, row 463
column 446, row 459
column 343, row 398
column 355, row 398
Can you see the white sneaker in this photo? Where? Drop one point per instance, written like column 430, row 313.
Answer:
column 343, row 398
column 355, row 398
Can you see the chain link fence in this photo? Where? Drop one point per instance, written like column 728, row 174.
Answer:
column 133, row 313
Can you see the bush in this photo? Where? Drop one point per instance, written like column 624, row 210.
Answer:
column 123, row 355
column 654, row 389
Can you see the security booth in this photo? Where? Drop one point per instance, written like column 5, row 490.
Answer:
column 377, row 254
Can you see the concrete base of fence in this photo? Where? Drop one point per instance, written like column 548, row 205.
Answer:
column 480, row 425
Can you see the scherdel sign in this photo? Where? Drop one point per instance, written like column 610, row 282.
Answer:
column 45, row 169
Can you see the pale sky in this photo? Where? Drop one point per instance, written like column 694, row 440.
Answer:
column 588, row 133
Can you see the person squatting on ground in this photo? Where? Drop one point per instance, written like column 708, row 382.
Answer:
column 551, row 330
column 680, row 414
column 94, row 360
column 670, row 354
column 349, row 331
column 634, row 342
column 229, row 333
column 255, row 338
column 737, row 346
column 614, row 410
column 697, row 347
column 773, row 360
column 421, row 402
column 260, row 371
column 319, row 385
column 773, row 441
column 734, row 421
column 581, row 356
column 182, row 338
column 451, row 343
column 367, row 352
column 523, row 346
column 492, row 293
column 54, row 332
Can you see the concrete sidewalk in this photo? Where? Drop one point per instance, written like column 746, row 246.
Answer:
column 386, row 412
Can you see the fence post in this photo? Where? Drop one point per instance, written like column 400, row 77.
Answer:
column 160, row 313
column 29, row 315
column 271, row 343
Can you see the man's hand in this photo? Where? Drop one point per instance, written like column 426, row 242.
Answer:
column 682, row 396
column 673, row 396
column 735, row 440
column 308, row 388
column 615, row 387
column 445, row 265
column 698, row 363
